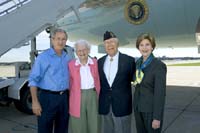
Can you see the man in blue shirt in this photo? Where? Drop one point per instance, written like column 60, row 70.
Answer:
column 50, row 74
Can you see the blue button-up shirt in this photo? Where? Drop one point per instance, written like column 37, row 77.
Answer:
column 50, row 71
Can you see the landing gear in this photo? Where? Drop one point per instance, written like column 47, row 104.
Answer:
column 25, row 102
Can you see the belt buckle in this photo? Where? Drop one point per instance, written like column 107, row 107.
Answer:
column 61, row 92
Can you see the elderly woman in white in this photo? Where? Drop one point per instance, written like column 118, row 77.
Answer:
column 84, row 90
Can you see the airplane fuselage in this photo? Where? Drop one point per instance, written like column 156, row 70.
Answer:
column 172, row 22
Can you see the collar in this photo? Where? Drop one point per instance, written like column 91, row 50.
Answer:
column 116, row 56
column 89, row 62
column 52, row 52
column 141, row 65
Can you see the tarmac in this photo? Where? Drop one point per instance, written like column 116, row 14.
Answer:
column 182, row 109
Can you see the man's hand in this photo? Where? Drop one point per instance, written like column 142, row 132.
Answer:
column 155, row 124
column 36, row 108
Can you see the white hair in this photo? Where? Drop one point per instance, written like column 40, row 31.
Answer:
column 115, row 39
column 82, row 42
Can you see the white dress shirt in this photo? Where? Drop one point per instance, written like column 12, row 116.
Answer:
column 111, row 67
column 87, row 81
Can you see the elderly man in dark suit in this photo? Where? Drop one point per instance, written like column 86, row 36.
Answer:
column 116, row 71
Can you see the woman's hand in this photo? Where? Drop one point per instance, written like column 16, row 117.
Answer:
column 155, row 124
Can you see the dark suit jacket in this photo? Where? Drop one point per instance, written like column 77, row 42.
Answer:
column 119, row 94
column 150, row 94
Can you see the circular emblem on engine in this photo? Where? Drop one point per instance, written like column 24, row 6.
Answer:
column 136, row 11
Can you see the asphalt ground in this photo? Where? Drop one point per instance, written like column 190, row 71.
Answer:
column 182, row 114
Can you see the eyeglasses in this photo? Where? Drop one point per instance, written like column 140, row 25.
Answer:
column 82, row 50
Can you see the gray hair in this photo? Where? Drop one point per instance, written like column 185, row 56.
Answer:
column 53, row 33
column 115, row 39
column 82, row 42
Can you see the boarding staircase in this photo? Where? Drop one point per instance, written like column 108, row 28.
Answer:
column 22, row 20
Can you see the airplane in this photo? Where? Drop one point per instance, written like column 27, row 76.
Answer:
column 175, row 24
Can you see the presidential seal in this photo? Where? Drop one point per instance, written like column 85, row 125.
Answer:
column 136, row 11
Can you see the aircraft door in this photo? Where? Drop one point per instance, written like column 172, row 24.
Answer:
column 198, row 35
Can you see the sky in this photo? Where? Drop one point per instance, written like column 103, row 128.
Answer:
column 22, row 54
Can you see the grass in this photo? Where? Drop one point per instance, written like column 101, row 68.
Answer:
column 186, row 64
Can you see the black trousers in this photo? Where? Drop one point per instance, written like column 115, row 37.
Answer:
column 55, row 114
column 144, row 122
